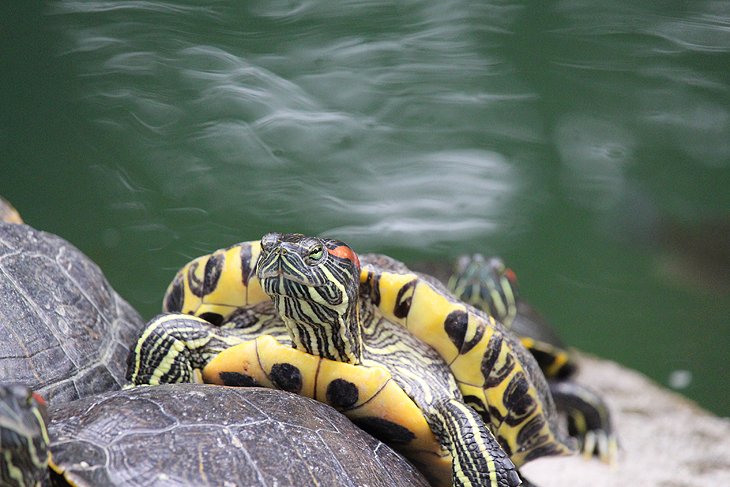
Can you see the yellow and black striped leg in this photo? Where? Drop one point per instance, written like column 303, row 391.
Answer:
column 173, row 346
column 589, row 419
column 478, row 460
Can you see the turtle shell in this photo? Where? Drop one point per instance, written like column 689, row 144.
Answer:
column 65, row 330
column 195, row 434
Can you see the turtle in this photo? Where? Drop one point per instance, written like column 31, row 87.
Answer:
column 66, row 331
column 492, row 287
column 450, row 388
column 8, row 213
column 23, row 436
column 189, row 434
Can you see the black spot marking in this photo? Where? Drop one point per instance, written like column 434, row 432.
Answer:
column 493, row 376
column 342, row 394
column 236, row 379
column 536, row 444
column 478, row 405
column 544, row 359
column 529, row 434
column 386, row 431
column 501, row 374
column 404, row 299
column 455, row 326
column 213, row 270
column 568, row 370
column 246, row 269
column 546, row 450
column 286, row 377
column 213, row 318
column 474, row 341
column 518, row 402
column 195, row 284
column 495, row 415
column 175, row 296
column 491, row 354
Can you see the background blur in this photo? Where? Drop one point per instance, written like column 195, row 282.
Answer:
column 587, row 142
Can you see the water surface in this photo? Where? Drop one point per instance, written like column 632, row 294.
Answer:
column 586, row 142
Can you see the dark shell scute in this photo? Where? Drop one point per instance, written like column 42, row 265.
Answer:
column 252, row 436
column 67, row 331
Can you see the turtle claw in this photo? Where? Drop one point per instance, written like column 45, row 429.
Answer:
column 589, row 420
column 601, row 444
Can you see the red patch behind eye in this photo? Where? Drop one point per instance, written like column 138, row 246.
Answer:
column 345, row 252
column 38, row 398
column 510, row 275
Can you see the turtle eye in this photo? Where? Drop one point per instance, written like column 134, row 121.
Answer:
column 316, row 253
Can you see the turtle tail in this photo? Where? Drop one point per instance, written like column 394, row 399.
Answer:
column 478, row 459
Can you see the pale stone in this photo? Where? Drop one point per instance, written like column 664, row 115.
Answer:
column 665, row 440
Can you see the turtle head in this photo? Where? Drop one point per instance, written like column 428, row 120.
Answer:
column 24, row 436
column 314, row 285
column 486, row 284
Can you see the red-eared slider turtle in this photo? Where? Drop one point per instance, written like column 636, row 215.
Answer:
column 191, row 434
column 65, row 331
column 23, row 437
column 8, row 213
column 492, row 287
column 339, row 333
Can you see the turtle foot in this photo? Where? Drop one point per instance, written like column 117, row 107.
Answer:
column 601, row 444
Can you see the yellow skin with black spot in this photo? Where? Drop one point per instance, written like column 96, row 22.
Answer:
column 377, row 392
column 492, row 370
column 236, row 287
column 491, row 287
column 466, row 339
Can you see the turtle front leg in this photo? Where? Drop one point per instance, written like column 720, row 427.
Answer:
column 589, row 419
column 172, row 347
column 478, row 459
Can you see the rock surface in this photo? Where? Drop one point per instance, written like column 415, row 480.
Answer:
column 665, row 440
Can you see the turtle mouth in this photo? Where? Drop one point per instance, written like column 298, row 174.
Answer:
column 273, row 280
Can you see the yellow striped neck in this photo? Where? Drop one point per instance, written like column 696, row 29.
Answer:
column 331, row 332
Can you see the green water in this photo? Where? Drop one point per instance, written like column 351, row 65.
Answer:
column 586, row 142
